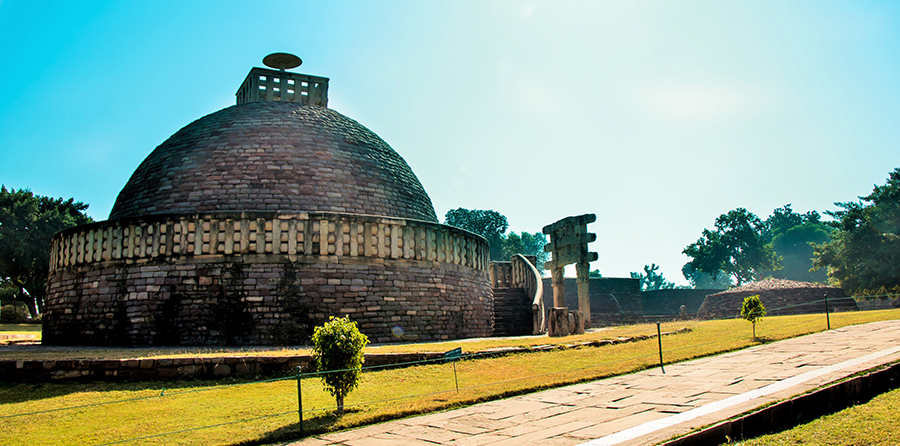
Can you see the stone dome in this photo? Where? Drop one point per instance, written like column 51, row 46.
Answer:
column 274, row 157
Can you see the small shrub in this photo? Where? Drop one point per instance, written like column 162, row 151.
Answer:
column 338, row 346
column 753, row 310
column 15, row 312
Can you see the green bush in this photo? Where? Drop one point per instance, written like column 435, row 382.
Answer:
column 753, row 310
column 8, row 313
column 337, row 349
column 15, row 312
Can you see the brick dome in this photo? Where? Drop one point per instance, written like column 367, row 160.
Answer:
column 274, row 157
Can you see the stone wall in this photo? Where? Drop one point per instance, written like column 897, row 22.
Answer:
column 268, row 280
column 613, row 301
column 666, row 304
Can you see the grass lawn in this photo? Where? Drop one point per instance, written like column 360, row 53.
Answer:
column 873, row 423
column 16, row 330
column 259, row 412
column 20, row 329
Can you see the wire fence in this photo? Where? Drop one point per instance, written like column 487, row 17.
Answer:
column 415, row 383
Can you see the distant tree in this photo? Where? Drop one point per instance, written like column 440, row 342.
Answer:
column 651, row 279
column 27, row 224
column 863, row 252
column 753, row 310
column 595, row 274
column 489, row 224
column 526, row 244
column 736, row 248
column 793, row 236
column 338, row 354
column 703, row 281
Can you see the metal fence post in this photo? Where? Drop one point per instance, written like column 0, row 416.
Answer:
column 659, row 338
column 827, row 317
column 300, row 399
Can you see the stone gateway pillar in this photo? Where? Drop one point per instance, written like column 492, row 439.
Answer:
column 568, row 244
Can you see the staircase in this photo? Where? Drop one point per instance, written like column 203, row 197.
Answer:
column 512, row 312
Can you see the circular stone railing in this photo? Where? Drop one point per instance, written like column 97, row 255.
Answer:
column 235, row 234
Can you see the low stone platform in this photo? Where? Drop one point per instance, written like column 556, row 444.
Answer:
column 222, row 366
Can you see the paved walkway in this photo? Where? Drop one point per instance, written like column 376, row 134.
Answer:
column 648, row 407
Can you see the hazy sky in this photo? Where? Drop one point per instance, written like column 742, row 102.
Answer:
column 657, row 116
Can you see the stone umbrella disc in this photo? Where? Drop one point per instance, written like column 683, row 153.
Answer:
column 282, row 61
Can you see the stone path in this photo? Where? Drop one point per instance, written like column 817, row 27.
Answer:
column 648, row 407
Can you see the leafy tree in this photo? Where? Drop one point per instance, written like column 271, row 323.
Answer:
column 703, row 281
column 792, row 236
column 753, row 310
column 651, row 279
column 864, row 250
column 492, row 226
column 489, row 224
column 736, row 248
column 526, row 244
column 338, row 354
column 594, row 274
column 27, row 224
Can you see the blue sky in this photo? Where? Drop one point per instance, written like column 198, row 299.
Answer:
column 658, row 116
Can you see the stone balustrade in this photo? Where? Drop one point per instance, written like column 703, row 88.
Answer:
column 527, row 277
column 319, row 234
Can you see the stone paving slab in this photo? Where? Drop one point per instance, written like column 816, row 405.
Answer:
column 647, row 407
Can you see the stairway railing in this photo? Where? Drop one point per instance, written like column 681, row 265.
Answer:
column 526, row 276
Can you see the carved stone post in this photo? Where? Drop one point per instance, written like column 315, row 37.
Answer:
column 559, row 322
column 559, row 287
column 582, row 269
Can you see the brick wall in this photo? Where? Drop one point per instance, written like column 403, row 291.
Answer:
column 667, row 303
column 259, row 302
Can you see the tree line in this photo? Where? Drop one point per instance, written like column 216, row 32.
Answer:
column 27, row 224
column 857, row 250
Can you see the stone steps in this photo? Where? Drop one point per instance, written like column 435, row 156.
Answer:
column 512, row 312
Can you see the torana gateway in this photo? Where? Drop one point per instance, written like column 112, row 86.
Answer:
column 255, row 223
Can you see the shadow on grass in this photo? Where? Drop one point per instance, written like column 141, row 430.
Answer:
column 315, row 425
column 763, row 340
column 11, row 393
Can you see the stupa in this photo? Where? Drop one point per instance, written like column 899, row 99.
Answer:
column 253, row 224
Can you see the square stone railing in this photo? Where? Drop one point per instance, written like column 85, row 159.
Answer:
column 264, row 85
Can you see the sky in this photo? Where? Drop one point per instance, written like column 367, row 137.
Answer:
column 657, row 116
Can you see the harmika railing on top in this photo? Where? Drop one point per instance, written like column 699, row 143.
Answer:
column 526, row 276
column 264, row 85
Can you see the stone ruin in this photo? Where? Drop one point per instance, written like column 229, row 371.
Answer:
column 780, row 297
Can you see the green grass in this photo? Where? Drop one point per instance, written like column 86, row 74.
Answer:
column 873, row 423
column 21, row 329
column 382, row 395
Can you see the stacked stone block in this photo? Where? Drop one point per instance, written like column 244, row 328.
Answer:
column 780, row 297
